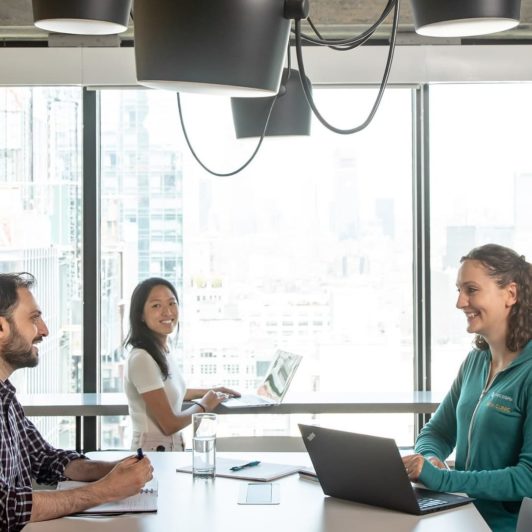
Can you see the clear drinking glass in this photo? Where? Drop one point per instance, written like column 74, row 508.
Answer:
column 204, row 445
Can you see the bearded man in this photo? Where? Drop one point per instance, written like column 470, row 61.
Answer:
column 24, row 454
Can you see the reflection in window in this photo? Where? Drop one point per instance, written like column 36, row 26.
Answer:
column 306, row 235
column 481, row 190
column 40, row 231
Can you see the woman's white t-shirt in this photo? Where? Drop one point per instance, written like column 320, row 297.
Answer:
column 143, row 375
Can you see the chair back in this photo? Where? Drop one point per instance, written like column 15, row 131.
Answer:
column 524, row 522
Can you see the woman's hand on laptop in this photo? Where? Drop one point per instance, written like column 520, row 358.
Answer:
column 228, row 392
column 413, row 464
column 211, row 400
column 216, row 396
column 435, row 461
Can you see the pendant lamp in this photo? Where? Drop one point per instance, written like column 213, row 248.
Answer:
column 225, row 47
column 464, row 18
column 291, row 114
column 82, row 17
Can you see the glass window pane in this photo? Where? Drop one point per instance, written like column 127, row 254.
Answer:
column 309, row 249
column 481, row 185
column 142, row 222
column 40, row 230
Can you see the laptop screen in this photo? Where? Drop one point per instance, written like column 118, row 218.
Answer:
column 279, row 375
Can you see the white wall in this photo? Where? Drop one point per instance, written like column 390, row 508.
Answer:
column 412, row 64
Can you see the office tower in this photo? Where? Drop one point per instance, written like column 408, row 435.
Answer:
column 141, row 222
column 40, row 230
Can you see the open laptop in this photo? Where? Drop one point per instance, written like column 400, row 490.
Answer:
column 369, row 469
column 275, row 383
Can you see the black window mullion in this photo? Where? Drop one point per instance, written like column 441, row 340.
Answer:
column 91, row 258
column 421, row 208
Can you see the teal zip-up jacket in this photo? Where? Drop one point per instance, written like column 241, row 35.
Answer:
column 492, row 432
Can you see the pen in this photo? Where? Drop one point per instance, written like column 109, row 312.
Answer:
column 140, row 454
column 243, row 466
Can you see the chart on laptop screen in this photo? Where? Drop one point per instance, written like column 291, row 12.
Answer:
column 275, row 383
column 278, row 378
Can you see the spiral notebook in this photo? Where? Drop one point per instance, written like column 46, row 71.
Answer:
column 145, row 501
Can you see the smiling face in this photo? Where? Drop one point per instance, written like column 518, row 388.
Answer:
column 485, row 304
column 21, row 332
column 161, row 312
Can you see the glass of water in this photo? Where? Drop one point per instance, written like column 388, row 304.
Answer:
column 204, row 445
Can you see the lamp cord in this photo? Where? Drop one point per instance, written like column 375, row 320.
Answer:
column 205, row 167
column 351, row 42
column 306, row 85
column 361, row 39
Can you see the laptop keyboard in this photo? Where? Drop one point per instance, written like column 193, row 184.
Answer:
column 428, row 502
column 253, row 400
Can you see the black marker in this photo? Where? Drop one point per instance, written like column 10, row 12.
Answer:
column 140, row 454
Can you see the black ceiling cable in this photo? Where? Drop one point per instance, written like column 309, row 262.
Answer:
column 306, row 85
column 335, row 44
column 218, row 174
column 363, row 38
column 221, row 174
column 350, row 42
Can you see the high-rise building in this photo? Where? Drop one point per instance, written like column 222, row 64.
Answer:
column 40, row 230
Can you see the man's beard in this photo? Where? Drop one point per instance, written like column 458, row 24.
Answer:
column 17, row 352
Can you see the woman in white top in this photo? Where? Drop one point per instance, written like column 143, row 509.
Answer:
column 154, row 387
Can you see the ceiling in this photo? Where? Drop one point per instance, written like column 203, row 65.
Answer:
column 332, row 17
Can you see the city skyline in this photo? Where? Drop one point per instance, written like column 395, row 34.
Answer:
column 313, row 256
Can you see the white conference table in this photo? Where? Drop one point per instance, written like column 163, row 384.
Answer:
column 197, row 505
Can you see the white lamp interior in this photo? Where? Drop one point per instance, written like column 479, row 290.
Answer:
column 207, row 88
column 467, row 27
column 80, row 26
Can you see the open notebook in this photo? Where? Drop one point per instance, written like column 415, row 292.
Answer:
column 145, row 501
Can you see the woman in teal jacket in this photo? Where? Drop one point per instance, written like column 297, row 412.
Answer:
column 487, row 414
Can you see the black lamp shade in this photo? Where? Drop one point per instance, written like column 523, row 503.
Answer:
column 231, row 47
column 291, row 114
column 82, row 17
column 462, row 18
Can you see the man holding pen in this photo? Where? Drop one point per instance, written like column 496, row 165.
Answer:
column 24, row 454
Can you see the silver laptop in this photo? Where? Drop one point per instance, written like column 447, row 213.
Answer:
column 275, row 383
column 369, row 469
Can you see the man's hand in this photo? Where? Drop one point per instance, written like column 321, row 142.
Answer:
column 125, row 479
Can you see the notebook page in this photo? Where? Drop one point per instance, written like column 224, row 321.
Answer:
column 145, row 501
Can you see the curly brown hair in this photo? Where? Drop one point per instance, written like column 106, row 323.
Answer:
column 505, row 266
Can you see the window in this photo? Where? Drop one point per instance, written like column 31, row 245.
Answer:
column 310, row 249
column 307, row 241
column 481, row 189
column 40, row 231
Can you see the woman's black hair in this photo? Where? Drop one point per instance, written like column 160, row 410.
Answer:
column 506, row 266
column 139, row 334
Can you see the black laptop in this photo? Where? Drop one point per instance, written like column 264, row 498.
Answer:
column 369, row 469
